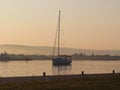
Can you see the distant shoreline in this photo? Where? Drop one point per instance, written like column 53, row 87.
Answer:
column 10, row 57
column 51, row 60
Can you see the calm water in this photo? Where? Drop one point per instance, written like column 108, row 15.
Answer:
column 36, row 67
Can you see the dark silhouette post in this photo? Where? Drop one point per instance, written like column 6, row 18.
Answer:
column 44, row 74
column 82, row 72
column 113, row 71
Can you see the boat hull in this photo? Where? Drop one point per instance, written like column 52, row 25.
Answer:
column 61, row 61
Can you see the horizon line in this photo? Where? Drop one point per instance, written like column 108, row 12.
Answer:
column 62, row 47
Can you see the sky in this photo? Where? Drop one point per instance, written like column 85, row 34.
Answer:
column 85, row 24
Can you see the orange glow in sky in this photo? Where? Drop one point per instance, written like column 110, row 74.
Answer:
column 86, row 24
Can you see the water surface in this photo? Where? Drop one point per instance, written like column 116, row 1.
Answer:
column 37, row 67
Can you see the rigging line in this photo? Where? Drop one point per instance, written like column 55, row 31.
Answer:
column 55, row 42
column 57, row 35
column 62, row 35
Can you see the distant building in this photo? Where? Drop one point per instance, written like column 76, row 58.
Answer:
column 4, row 56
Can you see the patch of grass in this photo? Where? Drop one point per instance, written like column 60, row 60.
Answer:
column 82, row 83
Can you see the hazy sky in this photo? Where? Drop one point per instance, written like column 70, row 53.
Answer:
column 86, row 24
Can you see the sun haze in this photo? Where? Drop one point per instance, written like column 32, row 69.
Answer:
column 88, row 24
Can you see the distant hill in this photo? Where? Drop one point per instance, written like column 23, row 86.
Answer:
column 44, row 50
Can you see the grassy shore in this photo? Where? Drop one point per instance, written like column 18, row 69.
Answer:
column 66, row 82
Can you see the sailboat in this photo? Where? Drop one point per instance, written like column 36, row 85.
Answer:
column 60, row 59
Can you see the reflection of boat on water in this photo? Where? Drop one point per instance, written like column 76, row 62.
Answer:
column 61, row 69
column 60, row 59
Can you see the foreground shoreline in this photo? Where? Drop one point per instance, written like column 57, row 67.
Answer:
column 62, row 82
column 54, row 77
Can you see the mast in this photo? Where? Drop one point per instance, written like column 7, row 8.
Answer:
column 59, row 33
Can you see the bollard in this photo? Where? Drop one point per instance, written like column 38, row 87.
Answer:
column 82, row 72
column 113, row 71
column 44, row 74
